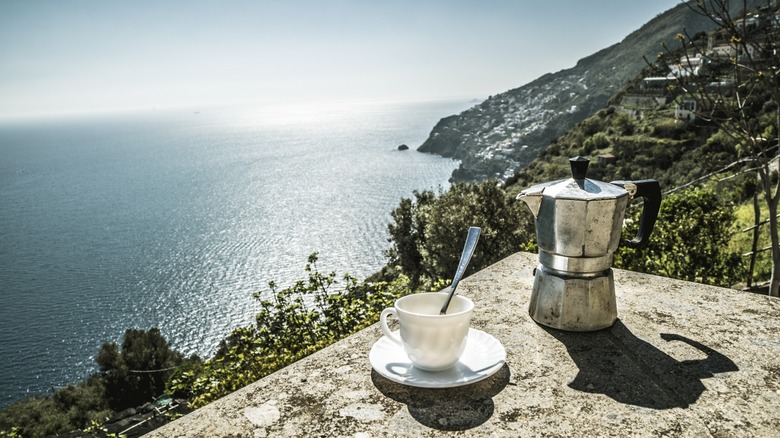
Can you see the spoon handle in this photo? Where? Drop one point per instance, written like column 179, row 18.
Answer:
column 465, row 258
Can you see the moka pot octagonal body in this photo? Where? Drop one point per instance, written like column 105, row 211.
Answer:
column 578, row 229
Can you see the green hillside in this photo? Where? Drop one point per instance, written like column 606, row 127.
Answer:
column 508, row 130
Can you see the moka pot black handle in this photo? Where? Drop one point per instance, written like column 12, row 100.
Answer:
column 650, row 191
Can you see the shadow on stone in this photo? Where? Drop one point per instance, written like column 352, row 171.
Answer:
column 630, row 370
column 459, row 408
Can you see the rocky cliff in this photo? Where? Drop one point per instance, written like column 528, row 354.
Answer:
column 505, row 132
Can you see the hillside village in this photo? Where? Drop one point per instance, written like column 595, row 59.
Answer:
column 499, row 136
column 506, row 132
column 714, row 61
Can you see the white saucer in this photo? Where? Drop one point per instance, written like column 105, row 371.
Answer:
column 483, row 356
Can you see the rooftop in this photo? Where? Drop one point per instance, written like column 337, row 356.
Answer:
column 683, row 359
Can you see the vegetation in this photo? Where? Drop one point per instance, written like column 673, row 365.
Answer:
column 71, row 408
column 128, row 378
column 733, row 79
column 293, row 323
column 696, row 237
column 743, row 234
column 689, row 242
column 655, row 146
column 428, row 232
column 137, row 373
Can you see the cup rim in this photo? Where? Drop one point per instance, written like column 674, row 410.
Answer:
column 469, row 302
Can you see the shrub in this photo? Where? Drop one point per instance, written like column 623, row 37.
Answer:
column 293, row 323
column 138, row 372
column 427, row 235
column 596, row 142
column 690, row 241
column 669, row 128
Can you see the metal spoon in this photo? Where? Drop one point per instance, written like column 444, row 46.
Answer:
column 465, row 258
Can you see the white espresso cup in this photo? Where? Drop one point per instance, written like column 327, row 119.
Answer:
column 432, row 341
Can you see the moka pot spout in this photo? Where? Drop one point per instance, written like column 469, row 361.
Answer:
column 532, row 198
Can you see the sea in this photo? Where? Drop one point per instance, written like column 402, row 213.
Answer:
column 175, row 218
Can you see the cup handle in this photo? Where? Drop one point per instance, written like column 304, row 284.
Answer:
column 393, row 336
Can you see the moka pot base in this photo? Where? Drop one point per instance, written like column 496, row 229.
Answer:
column 578, row 302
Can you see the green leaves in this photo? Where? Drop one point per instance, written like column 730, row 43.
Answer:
column 73, row 407
column 428, row 233
column 139, row 372
column 689, row 242
column 293, row 322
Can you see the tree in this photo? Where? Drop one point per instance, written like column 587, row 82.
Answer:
column 689, row 241
column 734, row 78
column 428, row 234
column 137, row 373
column 406, row 235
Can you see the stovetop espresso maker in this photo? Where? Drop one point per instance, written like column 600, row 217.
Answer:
column 578, row 226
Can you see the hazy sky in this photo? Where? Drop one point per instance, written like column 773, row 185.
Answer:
column 70, row 55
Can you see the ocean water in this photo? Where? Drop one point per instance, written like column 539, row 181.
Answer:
column 174, row 219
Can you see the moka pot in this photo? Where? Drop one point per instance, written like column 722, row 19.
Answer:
column 578, row 229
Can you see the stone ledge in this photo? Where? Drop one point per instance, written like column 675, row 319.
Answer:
column 683, row 359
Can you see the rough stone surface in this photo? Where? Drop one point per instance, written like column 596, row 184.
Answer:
column 683, row 359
